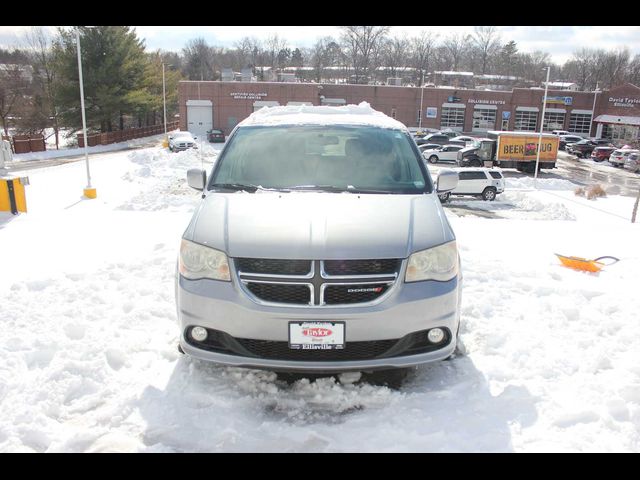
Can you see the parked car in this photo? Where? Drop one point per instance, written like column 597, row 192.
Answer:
column 602, row 142
column 438, row 138
column 564, row 139
column 479, row 182
column 463, row 138
column 444, row 153
column 581, row 149
column 344, row 260
column 428, row 146
column 618, row 157
column 449, row 133
column 600, row 154
column 633, row 162
column 179, row 141
column 560, row 132
column 215, row 136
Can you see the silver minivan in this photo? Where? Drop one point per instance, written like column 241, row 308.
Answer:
column 320, row 245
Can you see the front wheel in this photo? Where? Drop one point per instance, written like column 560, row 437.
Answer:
column 476, row 163
column 489, row 194
column 433, row 159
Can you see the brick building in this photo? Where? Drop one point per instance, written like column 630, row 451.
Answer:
column 612, row 113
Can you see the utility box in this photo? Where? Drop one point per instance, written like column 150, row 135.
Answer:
column 12, row 194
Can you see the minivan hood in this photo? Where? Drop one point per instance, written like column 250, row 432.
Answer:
column 312, row 225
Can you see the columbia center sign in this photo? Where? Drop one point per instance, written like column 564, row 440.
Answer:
column 247, row 95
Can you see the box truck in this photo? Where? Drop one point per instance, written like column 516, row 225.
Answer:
column 511, row 150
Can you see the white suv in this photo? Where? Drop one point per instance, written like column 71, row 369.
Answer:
column 479, row 182
column 618, row 157
column 445, row 153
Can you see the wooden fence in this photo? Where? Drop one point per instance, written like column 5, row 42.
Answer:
column 124, row 135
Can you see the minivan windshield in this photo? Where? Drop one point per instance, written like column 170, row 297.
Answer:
column 358, row 159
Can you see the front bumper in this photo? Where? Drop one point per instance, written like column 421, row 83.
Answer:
column 405, row 309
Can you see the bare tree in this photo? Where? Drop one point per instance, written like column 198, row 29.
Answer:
column 362, row 46
column 454, row 47
column 42, row 56
column 273, row 45
column 422, row 49
column 198, row 58
column 395, row 54
column 486, row 41
column 14, row 83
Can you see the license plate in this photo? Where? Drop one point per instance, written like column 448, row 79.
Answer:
column 316, row 335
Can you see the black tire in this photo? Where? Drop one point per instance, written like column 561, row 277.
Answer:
column 180, row 349
column 444, row 196
column 476, row 163
column 433, row 159
column 489, row 194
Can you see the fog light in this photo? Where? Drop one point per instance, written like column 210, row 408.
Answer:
column 199, row 334
column 435, row 335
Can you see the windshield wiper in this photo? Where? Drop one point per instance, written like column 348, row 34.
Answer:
column 322, row 188
column 237, row 186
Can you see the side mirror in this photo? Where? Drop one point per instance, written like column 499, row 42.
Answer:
column 447, row 181
column 195, row 138
column 170, row 137
column 196, row 178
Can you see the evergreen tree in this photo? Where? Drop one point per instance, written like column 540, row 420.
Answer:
column 113, row 68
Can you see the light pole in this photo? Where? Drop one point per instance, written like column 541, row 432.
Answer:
column 544, row 107
column 421, row 96
column 89, row 191
column 593, row 110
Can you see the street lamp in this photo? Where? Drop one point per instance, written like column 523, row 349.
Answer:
column 89, row 191
column 421, row 96
column 593, row 110
column 544, row 106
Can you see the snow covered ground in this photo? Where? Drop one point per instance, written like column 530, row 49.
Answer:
column 88, row 358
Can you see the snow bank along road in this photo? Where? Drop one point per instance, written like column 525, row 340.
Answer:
column 88, row 358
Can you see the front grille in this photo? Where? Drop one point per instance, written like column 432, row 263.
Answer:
column 346, row 294
column 411, row 344
column 281, row 293
column 316, row 282
column 273, row 266
column 385, row 266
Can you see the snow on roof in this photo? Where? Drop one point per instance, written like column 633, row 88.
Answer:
column 361, row 114
column 448, row 72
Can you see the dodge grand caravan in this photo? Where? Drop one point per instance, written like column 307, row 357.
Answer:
column 320, row 245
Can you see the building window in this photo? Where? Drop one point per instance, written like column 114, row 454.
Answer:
column 526, row 121
column 484, row 119
column 452, row 118
column 580, row 123
column 553, row 121
column 621, row 133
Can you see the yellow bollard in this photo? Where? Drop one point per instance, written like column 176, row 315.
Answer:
column 12, row 195
column 165, row 142
column 90, row 193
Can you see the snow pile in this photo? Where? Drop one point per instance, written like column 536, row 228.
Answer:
column 361, row 114
column 528, row 183
column 536, row 208
column 161, row 177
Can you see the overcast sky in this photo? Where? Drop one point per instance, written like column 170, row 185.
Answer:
column 559, row 42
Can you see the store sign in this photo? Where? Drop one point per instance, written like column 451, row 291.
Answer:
column 487, row 102
column 432, row 112
column 624, row 102
column 560, row 100
column 452, row 99
column 247, row 96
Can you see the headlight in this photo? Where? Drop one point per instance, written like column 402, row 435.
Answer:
column 437, row 263
column 198, row 261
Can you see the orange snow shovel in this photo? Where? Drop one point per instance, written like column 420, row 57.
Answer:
column 579, row 263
